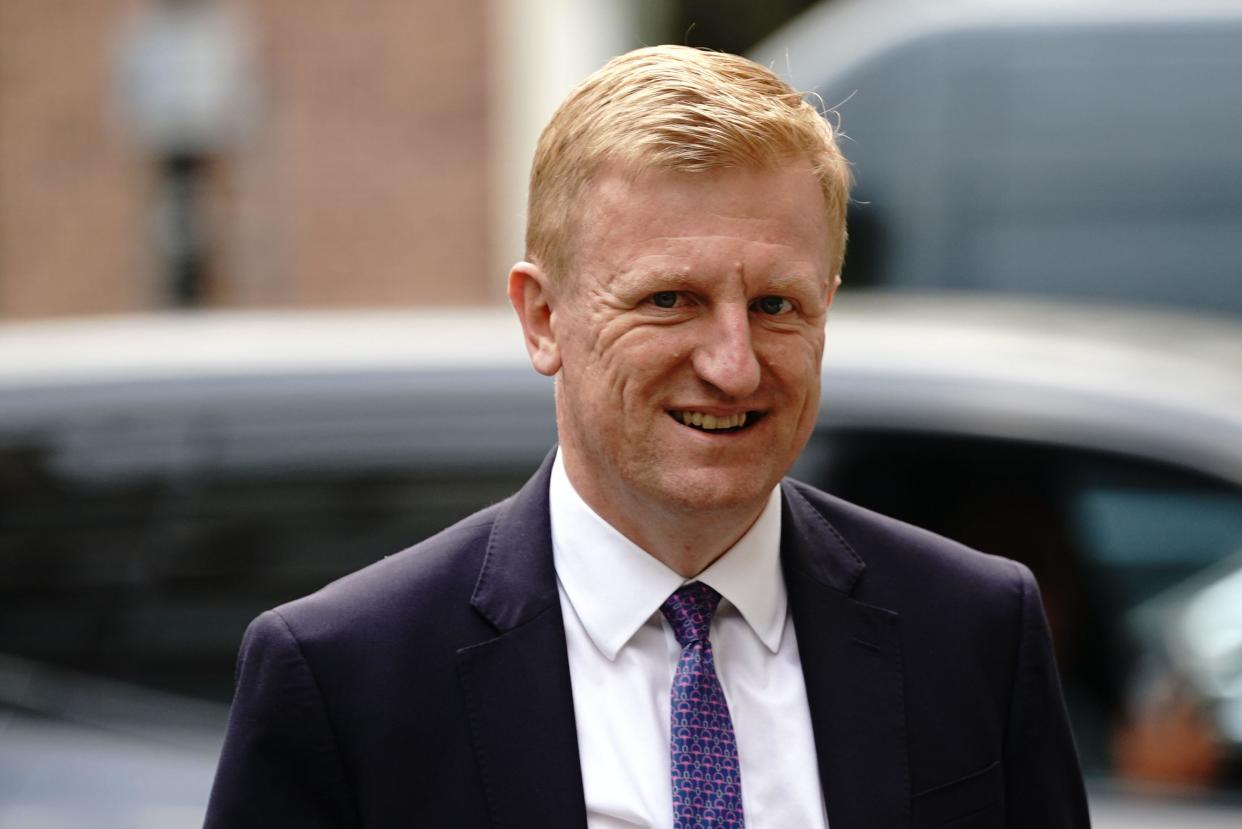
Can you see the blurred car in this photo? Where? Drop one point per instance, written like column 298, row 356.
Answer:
column 1085, row 149
column 164, row 479
column 80, row 752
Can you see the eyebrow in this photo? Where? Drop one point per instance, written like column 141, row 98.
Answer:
column 791, row 284
column 642, row 279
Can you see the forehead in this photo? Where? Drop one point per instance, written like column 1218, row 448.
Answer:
column 778, row 213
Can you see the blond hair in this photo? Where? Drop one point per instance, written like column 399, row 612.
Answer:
column 675, row 108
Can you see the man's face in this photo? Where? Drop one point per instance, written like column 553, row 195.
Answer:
column 688, row 336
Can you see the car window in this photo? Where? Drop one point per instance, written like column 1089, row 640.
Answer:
column 1153, row 531
column 151, row 578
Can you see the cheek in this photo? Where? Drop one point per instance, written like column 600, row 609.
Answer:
column 795, row 362
column 635, row 357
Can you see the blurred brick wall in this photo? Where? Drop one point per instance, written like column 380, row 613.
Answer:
column 71, row 199
column 376, row 153
column 362, row 182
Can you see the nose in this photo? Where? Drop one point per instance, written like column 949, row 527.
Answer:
column 725, row 356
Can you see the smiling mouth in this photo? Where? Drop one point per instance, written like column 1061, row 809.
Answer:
column 715, row 423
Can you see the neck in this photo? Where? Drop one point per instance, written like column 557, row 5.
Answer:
column 686, row 540
column 687, row 550
column 686, row 544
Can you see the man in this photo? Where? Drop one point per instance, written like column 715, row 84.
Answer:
column 656, row 630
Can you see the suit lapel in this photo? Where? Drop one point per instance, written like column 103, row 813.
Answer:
column 516, row 686
column 851, row 661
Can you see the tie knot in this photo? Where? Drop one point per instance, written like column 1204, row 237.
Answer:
column 690, row 611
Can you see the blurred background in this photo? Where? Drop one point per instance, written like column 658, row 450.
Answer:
column 253, row 336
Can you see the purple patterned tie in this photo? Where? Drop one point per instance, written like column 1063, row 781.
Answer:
column 707, row 781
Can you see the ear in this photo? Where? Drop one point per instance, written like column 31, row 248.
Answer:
column 530, row 292
column 832, row 291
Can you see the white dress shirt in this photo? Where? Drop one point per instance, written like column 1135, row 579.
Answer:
column 622, row 657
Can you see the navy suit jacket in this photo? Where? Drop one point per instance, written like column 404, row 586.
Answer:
column 432, row 689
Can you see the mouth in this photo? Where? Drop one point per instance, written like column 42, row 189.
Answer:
column 720, row 424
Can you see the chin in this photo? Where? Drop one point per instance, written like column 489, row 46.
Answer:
column 715, row 490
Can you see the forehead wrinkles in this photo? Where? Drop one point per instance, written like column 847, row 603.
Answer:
column 623, row 217
column 649, row 227
column 704, row 263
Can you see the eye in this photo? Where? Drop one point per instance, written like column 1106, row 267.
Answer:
column 664, row 299
column 772, row 305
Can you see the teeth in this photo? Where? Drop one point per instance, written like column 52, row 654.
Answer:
column 711, row 422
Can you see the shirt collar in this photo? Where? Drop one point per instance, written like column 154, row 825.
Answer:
column 615, row 586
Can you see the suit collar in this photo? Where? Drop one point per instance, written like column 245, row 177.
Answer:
column 518, row 578
column 516, row 686
column 852, row 664
column 517, row 581
column 811, row 544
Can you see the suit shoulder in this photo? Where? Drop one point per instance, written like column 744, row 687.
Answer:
column 427, row 578
column 901, row 555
